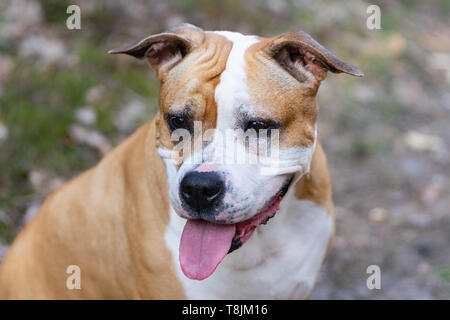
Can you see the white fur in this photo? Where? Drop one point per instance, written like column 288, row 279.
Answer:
column 232, row 91
column 290, row 160
column 281, row 260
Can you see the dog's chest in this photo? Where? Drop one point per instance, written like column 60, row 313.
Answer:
column 281, row 260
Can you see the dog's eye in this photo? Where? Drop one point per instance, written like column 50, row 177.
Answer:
column 177, row 122
column 256, row 125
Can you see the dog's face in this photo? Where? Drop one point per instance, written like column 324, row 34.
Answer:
column 224, row 98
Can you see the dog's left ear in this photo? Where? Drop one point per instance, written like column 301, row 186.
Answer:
column 298, row 52
column 164, row 50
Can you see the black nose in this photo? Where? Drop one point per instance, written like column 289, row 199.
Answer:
column 202, row 191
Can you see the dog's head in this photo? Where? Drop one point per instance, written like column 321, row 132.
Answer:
column 236, row 126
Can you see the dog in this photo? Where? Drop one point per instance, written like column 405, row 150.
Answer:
column 144, row 225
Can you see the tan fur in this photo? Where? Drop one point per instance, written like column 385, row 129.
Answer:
column 282, row 97
column 316, row 186
column 193, row 82
column 111, row 219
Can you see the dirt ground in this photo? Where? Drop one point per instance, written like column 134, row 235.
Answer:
column 64, row 103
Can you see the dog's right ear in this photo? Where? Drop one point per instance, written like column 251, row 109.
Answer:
column 164, row 50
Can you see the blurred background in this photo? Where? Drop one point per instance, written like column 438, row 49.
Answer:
column 64, row 103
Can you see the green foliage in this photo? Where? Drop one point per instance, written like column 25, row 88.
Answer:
column 6, row 232
column 55, row 10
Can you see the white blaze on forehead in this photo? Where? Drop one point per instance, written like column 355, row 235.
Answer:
column 232, row 90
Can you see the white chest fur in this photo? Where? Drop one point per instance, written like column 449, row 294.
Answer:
column 281, row 260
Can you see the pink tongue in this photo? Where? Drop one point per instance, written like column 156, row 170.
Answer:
column 203, row 246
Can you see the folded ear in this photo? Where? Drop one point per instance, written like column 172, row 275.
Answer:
column 298, row 52
column 163, row 50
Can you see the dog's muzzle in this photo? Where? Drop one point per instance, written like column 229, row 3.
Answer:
column 202, row 193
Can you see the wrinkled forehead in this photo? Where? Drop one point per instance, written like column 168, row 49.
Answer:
column 213, row 76
column 252, row 83
column 229, row 77
column 232, row 93
column 193, row 80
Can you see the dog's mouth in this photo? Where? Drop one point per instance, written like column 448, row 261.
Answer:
column 204, row 244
